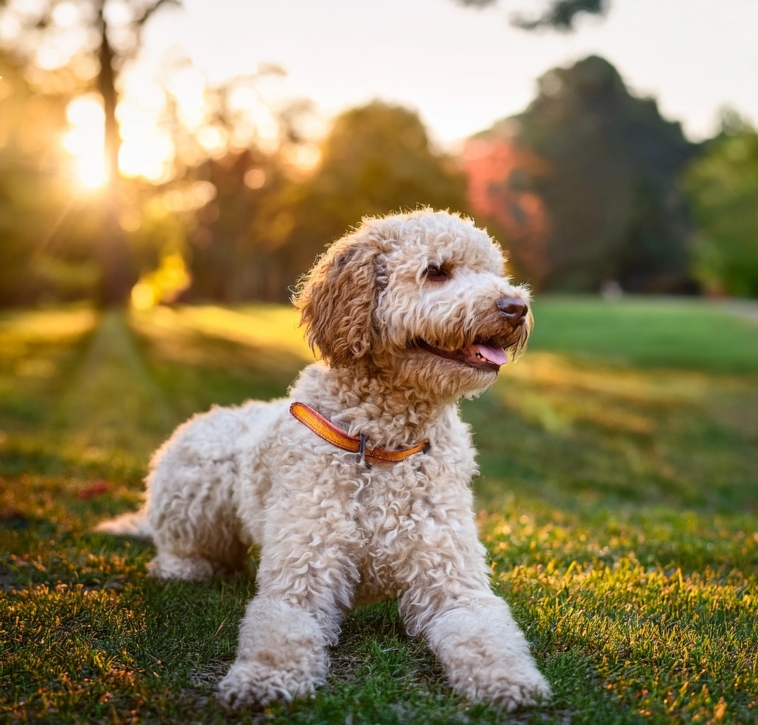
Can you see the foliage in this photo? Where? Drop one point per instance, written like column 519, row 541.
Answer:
column 68, row 45
column 32, row 197
column 618, row 503
column 376, row 159
column 57, row 36
column 723, row 190
column 50, row 226
column 247, row 222
column 269, row 220
column 558, row 15
column 583, row 187
column 496, row 169
column 235, row 246
column 562, row 14
column 608, row 185
column 383, row 155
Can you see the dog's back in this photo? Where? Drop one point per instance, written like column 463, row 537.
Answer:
column 193, row 484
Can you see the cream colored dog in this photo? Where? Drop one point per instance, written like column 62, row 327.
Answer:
column 410, row 313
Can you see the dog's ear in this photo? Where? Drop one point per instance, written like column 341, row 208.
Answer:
column 336, row 300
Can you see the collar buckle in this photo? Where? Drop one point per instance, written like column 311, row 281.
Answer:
column 362, row 450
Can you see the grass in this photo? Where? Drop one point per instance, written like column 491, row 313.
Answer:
column 618, row 497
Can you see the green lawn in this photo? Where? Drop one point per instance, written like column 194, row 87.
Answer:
column 618, row 498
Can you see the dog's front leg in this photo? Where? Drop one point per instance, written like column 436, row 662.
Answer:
column 484, row 653
column 305, row 582
column 282, row 655
column 471, row 631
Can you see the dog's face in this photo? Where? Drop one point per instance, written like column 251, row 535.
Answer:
column 421, row 296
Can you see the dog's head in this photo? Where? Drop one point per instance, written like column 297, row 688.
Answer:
column 423, row 296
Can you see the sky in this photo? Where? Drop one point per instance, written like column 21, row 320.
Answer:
column 463, row 69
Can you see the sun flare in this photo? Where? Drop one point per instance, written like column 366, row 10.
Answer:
column 146, row 150
column 85, row 140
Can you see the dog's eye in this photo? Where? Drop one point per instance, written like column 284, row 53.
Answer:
column 436, row 273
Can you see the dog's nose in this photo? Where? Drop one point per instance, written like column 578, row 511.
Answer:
column 513, row 309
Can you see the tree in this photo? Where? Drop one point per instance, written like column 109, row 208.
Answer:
column 496, row 169
column 375, row 159
column 109, row 33
column 722, row 186
column 31, row 198
column 270, row 218
column 608, row 180
column 236, row 237
column 224, row 211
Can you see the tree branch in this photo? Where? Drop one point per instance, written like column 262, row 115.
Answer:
column 148, row 12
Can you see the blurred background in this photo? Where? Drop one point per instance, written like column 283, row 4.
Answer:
column 158, row 151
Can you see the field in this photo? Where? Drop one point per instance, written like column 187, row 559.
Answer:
column 618, row 501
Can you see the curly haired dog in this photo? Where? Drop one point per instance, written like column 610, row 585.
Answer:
column 410, row 313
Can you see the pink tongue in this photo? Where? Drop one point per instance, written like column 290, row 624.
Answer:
column 494, row 354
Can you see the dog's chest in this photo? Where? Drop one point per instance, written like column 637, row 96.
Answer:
column 401, row 508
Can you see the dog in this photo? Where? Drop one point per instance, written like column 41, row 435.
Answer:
column 356, row 488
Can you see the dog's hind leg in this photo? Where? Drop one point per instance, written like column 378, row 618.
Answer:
column 192, row 511
column 168, row 566
column 198, row 564
column 133, row 524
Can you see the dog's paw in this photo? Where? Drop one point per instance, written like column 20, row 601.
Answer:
column 514, row 690
column 239, row 689
column 508, row 684
column 167, row 566
column 253, row 685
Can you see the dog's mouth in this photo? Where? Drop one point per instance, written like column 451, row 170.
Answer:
column 484, row 355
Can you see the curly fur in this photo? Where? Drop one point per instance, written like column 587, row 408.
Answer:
column 334, row 533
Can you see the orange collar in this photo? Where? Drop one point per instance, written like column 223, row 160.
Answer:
column 355, row 444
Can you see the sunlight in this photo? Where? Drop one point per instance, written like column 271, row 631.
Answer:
column 146, row 150
column 85, row 140
column 164, row 284
column 188, row 86
column 271, row 327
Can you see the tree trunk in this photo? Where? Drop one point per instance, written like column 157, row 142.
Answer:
column 116, row 274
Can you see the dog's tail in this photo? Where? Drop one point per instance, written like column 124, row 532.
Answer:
column 135, row 525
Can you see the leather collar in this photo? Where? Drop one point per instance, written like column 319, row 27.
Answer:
column 355, row 444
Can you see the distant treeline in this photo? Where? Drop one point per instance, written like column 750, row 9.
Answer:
column 588, row 187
